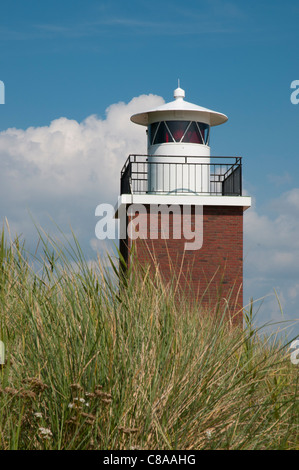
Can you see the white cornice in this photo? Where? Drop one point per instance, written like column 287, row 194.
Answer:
column 146, row 199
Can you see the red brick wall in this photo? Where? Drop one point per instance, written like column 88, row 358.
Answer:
column 209, row 275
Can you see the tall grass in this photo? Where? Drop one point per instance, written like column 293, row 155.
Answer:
column 100, row 362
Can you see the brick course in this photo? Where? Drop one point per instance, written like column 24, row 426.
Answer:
column 210, row 275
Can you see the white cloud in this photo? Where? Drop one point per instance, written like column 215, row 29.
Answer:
column 271, row 252
column 66, row 169
column 273, row 243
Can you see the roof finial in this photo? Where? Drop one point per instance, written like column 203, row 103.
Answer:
column 179, row 93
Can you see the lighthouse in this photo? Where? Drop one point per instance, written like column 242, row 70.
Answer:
column 177, row 191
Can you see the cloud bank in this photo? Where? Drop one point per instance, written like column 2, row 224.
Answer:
column 66, row 169
column 271, row 252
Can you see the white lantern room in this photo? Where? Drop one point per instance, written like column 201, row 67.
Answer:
column 178, row 135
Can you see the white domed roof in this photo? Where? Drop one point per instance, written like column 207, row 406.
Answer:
column 180, row 109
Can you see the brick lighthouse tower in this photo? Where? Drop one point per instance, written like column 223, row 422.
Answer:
column 182, row 208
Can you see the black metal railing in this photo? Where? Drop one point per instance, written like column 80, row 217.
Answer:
column 155, row 174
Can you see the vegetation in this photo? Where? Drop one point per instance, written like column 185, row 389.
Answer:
column 91, row 365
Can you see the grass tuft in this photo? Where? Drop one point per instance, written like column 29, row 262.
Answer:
column 97, row 360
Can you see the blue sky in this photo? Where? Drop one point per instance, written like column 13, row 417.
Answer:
column 75, row 70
